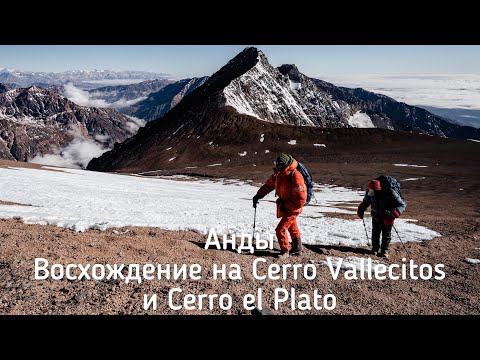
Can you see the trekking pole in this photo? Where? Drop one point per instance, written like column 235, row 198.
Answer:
column 366, row 232
column 410, row 256
column 254, row 218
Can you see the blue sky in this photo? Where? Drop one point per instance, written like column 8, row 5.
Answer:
column 197, row 60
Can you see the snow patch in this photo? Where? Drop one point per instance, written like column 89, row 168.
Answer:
column 243, row 154
column 413, row 179
column 191, row 167
column 168, row 149
column 360, row 120
column 472, row 261
column 173, row 158
column 181, row 126
column 215, row 165
column 322, row 145
column 295, row 85
column 148, row 172
column 292, row 142
column 262, row 137
column 418, row 166
column 474, row 140
column 267, row 151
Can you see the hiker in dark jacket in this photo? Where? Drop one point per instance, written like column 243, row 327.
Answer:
column 291, row 190
column 387, row 205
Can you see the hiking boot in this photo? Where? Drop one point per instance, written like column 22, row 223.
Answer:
column 283, row 255
column 383, row 254
column 296, row 247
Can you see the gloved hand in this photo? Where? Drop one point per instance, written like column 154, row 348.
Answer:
column 255, row 200
column 360, row 214
column 393, row 213
column 389, row 218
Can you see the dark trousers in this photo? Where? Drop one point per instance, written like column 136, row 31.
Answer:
column 386, row 231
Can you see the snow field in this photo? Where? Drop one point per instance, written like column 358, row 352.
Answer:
column 79, row 200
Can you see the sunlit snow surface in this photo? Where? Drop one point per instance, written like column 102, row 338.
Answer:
column 360, row 120
column 79, row 200
column 472, row 261
column 408, row 165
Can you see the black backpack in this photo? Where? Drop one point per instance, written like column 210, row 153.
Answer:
column 390, row 183
column 307, row 178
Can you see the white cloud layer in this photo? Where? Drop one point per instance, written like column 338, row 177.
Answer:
column 444, row 91
column 136, row 124
column 76, row 155
column 84, row 98
column 81, row 97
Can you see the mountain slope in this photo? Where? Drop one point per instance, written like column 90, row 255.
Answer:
column 284, row 96
column 396, row 115
column 116, row 93
column 248, row 109
column 159, row 103
column 461, row 116
column 36, row 121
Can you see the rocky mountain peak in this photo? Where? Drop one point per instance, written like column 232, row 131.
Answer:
column 236, row 67
column 291, row 71
column 36, row 90
column 283, row 97
column 248, row 54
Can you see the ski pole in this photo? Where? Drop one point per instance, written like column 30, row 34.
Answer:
column 366, row 232
column 410, row 256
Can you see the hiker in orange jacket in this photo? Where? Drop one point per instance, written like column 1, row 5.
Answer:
column 290, row 188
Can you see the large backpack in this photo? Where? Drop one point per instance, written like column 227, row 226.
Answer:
column 390, row 183
column 307, row 178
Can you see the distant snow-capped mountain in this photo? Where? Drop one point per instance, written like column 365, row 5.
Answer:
column 84, row 78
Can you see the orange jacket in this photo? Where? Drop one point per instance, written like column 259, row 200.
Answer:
column 290, row 189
